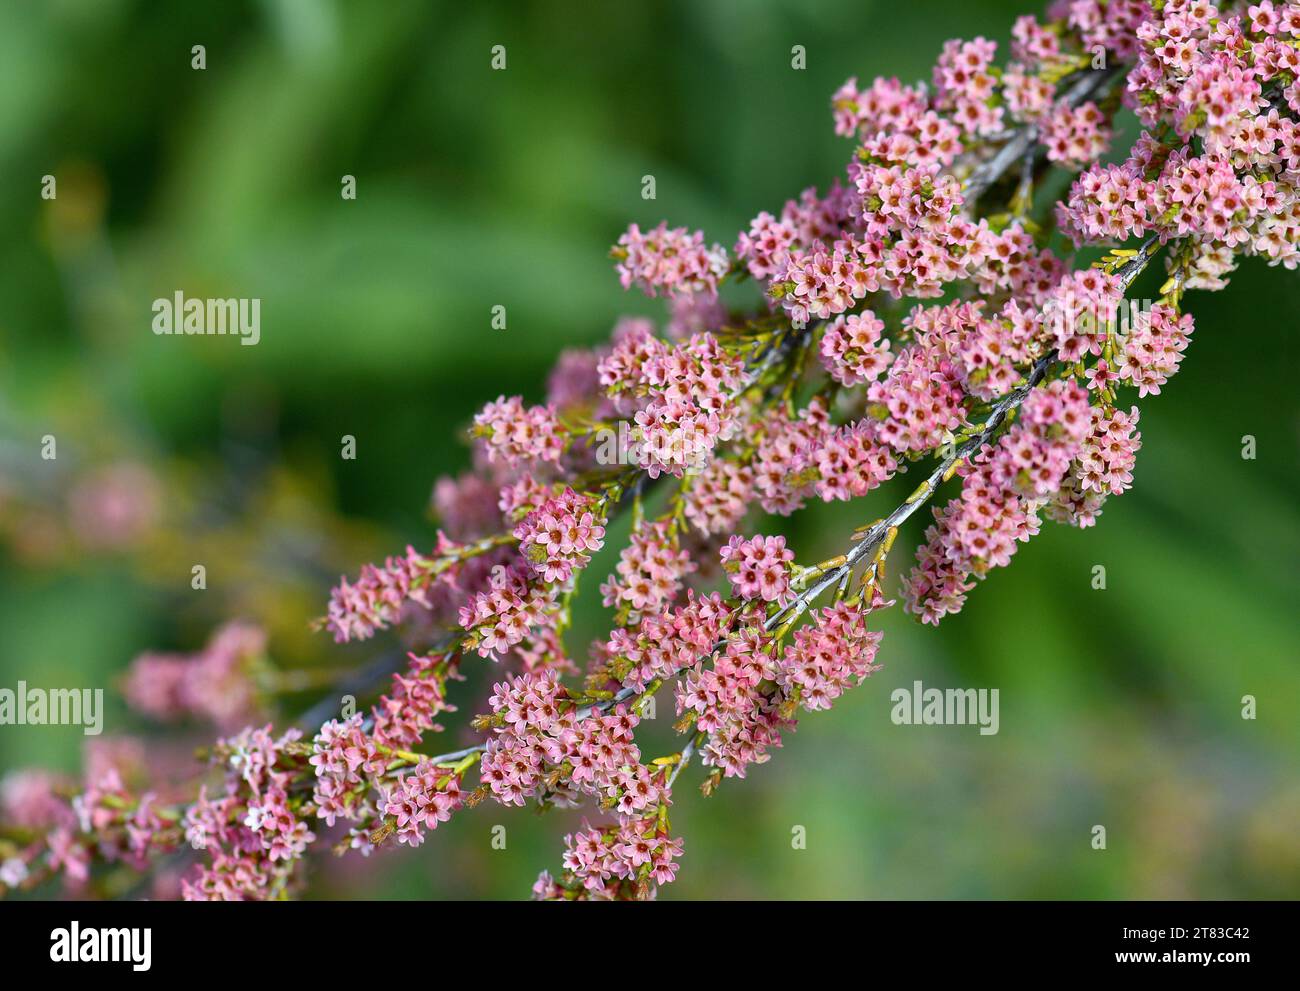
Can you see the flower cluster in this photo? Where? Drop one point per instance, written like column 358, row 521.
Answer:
column 106, row 819
column 341, row 754
column 253, row 831
column 759, row 568
column 964, row 85
column 1002, row 489
column 649, row 572
column 376, row 599
column 720, row 496
column 352, row 759
column 1075, row 136
column 667, row 643
column 669, row 261
column 829, row 656
column 539, row 731
column 732, row 702
column 559, row 536
column 852, row 461
column 514, row 434
column 502, row 615
column 545, row 747
column 1104, row 466
column 852, row 349
column 636, row 851
column 421, row 799
column 921, row 399
column 1154, row 348
column 690, row 406
column 214, row 684
column 1226, row 179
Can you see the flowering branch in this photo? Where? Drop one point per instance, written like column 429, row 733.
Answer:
column 898, row 325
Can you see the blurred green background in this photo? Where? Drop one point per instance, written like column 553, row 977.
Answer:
column 1119, row 707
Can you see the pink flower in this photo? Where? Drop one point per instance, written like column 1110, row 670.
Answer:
column 852, row 461
column 783, row 462
column 599, row 858
column 560, row 536
column 691, row 406
column 922, row 399
column 357, row 611
column 422, row 799
column 1154, row 349
column 852, row 350
column 825, row 281
column 719, row 496
column 513, row 434
column 665, row 644
column 500, row 616
column 742, row 720
column 1075, row 136
column 1105, row 464
column 649, row 572
column 758, row 568
column 672, row 261
column 1002, row 489
column 828, row 657
column 214, row 684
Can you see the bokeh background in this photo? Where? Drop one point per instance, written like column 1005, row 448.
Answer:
column 1119, row 707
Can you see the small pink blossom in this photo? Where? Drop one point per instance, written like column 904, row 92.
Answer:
column 758, row 568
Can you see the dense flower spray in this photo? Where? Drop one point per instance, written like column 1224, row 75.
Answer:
column 917, row 317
